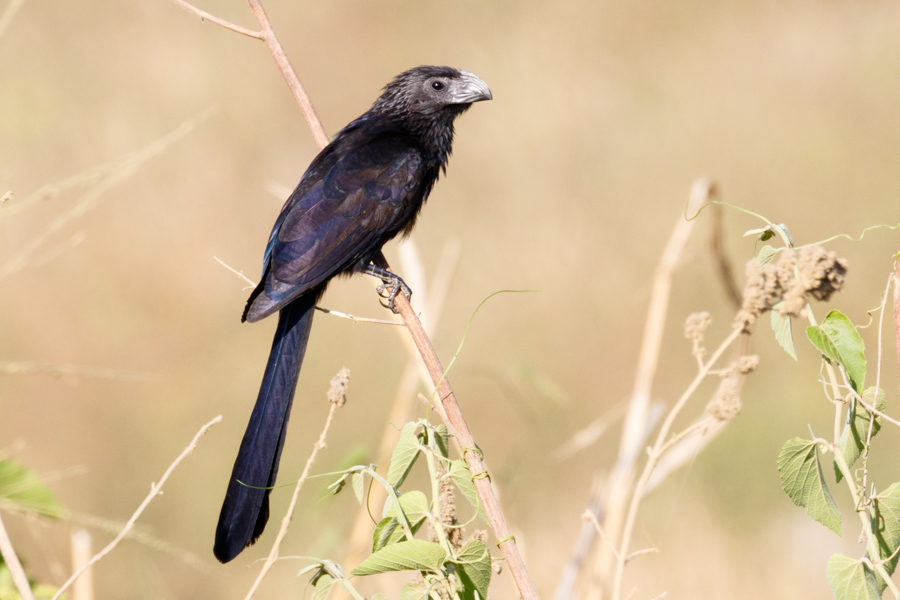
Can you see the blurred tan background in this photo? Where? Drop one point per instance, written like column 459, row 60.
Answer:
column 568, row 182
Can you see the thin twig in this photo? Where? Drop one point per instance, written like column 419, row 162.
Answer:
column 220, row 22
column 240, row 274
column 641, row 552
column 286, row 521
column 155, row 490
column 349, row 317
column 872, row 410
column 589, row 516
column 328, row 311
column 12, row 563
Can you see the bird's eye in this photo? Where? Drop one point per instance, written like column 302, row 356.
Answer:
column 437, row 85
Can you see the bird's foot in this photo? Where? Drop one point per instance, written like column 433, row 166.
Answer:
column 391, row 285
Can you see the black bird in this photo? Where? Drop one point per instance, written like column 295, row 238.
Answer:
column 366, row 187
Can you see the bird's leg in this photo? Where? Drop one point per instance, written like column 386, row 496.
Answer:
column 389, row 281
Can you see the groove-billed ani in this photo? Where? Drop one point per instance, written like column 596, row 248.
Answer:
column 363, row 189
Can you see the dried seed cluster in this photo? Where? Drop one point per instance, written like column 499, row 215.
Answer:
column 726, row 404
column 337, row 392
column 694, row 327
column 789, row 278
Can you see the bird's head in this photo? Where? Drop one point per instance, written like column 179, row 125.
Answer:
column 428, row 90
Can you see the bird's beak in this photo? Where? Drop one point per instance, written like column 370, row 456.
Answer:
column 471, row 88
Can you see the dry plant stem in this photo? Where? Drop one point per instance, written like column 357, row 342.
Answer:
column 155, row 490
column 12, row 563
column 286, row 521
column 655, row 454
column 220, row 22
column 81, row 554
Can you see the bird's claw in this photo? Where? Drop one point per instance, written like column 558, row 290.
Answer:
column 389, row 290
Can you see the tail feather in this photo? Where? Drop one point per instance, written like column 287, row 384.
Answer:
column 246, row 506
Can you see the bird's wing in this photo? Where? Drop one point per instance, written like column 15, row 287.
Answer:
column 345, row 207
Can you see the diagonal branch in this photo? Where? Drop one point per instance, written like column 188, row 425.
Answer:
column 220, row 22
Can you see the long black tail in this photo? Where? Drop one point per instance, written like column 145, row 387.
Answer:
column 246, row 506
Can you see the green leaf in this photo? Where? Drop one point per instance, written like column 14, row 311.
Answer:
column 357, row 480
column 474, row 566
column 442, row 439
column 415, row 507
column 413, row 555
column 856, row 430
column 781, row 326
column 379, row 597
column 412, row 591
column 850, row 579
column 766, row 254
column 383, row 532
column 459, row 473
column 887, row 527
column 338, row 485
column 21, row 489
column 838, row 340
column 404, row 455
column 323, row 587
column 802, row 481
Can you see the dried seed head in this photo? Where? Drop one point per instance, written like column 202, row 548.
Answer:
column 747, row 364
column 820, row 272
column 726, row 404
column 337, row 393
column 694, row 327
column 447, row 504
